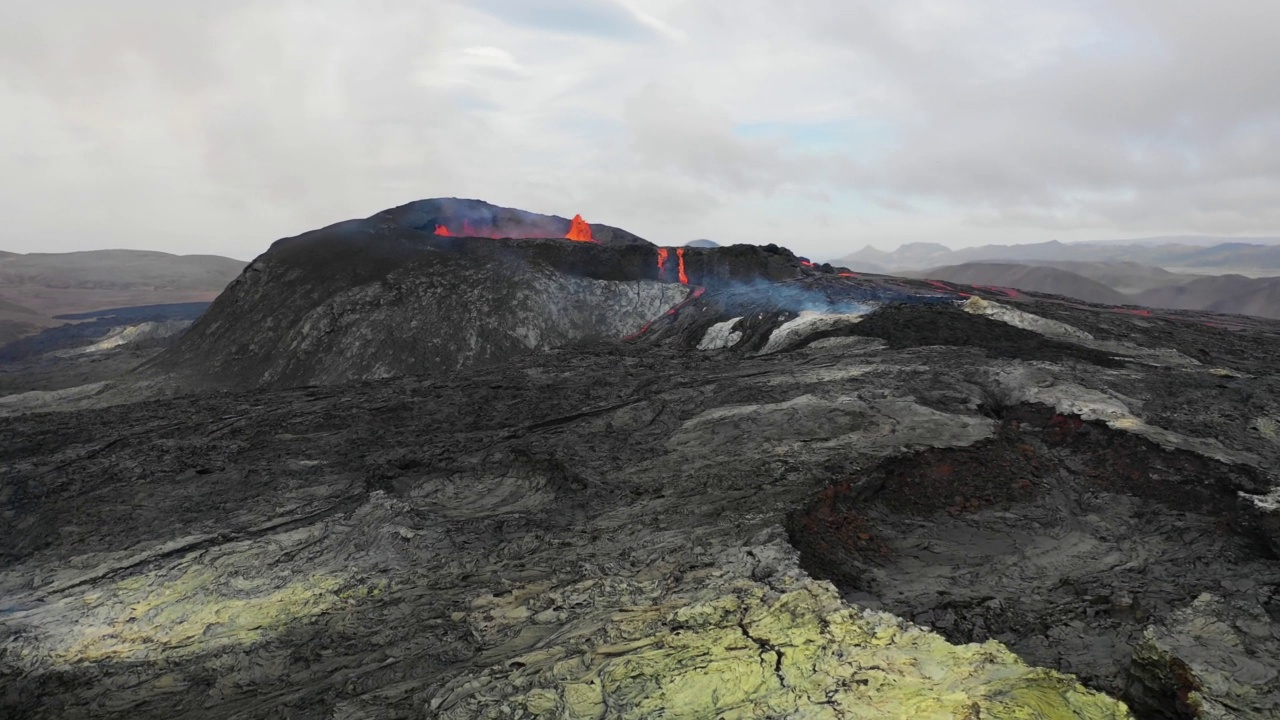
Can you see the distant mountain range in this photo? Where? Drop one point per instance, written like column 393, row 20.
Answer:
column 1053, row 281
column 1229, row 275
column 1124, row 284
column 1210, row 254
column 1201, row 240
column 37, row 287
column 1221, row 293
column 1130, row 278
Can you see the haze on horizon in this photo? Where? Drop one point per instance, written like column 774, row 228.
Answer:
column 826, row 125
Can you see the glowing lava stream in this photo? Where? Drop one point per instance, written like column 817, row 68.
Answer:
column 697, row 293
column 443, row 231
column 663, row 254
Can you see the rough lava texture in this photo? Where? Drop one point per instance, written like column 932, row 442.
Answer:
column 579, row 533
column 856, row 500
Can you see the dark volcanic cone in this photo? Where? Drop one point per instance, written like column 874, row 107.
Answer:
column 388, row 296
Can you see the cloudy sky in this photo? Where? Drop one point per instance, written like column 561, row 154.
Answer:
column 825, row 125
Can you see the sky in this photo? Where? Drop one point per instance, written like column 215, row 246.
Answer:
column 822, row 125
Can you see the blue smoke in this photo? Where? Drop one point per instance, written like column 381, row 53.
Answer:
column 845, row 297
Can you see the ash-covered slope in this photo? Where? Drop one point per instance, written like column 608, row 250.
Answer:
column 17, row 320
column 391, row 295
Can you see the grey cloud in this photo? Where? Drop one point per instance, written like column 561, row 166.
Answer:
column 83, row 50
column 217, row 127
column 1160, row 131
column 675, row 130
column 602, row 18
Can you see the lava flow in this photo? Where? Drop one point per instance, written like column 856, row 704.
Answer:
column 684, row 279
column 467, row 231
column 663, row 253
column 697, row 293
column 580, row 231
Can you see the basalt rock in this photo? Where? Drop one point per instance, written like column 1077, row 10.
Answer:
column 792, row 492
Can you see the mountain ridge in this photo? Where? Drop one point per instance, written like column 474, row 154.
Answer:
column 1226, row 254
column 1150, row 287
column 1048, row 280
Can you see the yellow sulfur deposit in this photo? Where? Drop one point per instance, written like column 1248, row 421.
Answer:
column 750, row 652
column 196, row 611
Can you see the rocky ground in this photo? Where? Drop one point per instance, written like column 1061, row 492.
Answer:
column 933, row 509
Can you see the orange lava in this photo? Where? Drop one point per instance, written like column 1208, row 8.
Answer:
column 580, row 231
column 442, row 230
column 684, row 279
column 662, row 260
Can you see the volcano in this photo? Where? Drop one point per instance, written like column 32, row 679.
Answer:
column 392, row 295
column 394, row 472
